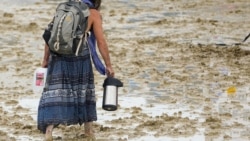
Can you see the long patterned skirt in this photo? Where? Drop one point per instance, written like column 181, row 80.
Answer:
column 69, row 96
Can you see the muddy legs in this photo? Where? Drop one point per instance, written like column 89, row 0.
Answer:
column 88, row 129
column 48, row 134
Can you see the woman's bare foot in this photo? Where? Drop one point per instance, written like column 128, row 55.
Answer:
column 48, row 134
column 88, row 129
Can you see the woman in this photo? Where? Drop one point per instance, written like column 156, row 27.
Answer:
column 69, row 97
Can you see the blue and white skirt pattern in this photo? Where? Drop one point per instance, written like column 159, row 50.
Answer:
column 69, row 96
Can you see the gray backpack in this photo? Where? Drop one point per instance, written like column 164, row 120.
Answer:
column 68, row 28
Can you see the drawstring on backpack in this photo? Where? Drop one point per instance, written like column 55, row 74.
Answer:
column 80, row 42
column 57, row 44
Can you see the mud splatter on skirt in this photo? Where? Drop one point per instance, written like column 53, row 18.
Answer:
column 69, row 97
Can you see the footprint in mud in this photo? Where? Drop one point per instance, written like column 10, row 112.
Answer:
column 9, row 15
column 11, row 102
column 20, row 109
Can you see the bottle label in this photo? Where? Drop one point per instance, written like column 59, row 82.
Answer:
column 39, row 79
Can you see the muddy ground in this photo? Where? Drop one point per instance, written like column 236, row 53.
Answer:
column 185, row 69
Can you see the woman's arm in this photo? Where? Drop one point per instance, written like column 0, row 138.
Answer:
column 96, row 22
column 46, row 56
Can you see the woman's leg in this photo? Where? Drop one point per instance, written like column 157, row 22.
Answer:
column 48, row 134
column 88, row 129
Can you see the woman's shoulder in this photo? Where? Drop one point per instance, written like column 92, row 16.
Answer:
column 94, row 13
column 94, row 19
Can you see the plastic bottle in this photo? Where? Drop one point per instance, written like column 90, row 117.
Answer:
column 39, row 80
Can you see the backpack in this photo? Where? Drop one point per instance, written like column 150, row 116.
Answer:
column 68, row 28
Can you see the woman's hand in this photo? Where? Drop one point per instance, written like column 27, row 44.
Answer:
column 110, row 72
column 44, row 64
